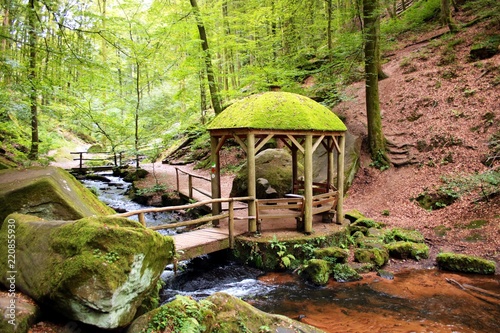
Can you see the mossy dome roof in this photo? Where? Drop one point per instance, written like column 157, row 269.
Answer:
column 278, row 111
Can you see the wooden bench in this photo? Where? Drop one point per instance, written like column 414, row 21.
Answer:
column 291, row 207
column 324, row 204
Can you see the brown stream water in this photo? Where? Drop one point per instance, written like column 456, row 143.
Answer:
column 415, row 301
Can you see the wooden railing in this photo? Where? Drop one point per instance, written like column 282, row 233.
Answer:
column 115, row 158
column 229, row 214
column 191, row 187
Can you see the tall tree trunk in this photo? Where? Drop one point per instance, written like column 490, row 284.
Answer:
column 376, row 139
column 136, row 116
column 329, row 10
column 32, row 37
column 212, row 83
column 446, row 18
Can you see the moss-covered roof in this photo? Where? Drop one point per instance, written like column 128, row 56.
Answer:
column 278, row 111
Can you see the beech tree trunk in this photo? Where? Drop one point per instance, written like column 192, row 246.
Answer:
column 32, row 37
column 446, row 18
column 212, row 83
column 376, row 139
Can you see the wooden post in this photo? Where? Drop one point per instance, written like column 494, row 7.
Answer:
column 308, row 184
column 340, row 179
column 231, row 224
column 142, row 219
column 295, row 167
column 81, row 161
column 177, row 180
column 331, row 163
column 252, row 190
column 190, row 187
column 215, row 178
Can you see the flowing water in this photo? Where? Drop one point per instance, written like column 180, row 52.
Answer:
column 113, row 192
column 414, row 301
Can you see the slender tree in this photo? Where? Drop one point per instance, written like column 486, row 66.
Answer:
column 376, row 139
column 32, row 38
column 446, row 18
column 212, row 83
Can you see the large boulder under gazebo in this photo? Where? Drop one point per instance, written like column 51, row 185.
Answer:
column 301, row 124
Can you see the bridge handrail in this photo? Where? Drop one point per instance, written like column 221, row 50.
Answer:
column 114, row 156
column 229, row 214
column 190, row 182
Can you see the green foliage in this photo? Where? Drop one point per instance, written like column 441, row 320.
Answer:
column 181, row 315
column 281, row 250
column 345, row 273
column 417, row 18
column 157, row 188
column 110, row 257
column 380, row 161
column 486, row 184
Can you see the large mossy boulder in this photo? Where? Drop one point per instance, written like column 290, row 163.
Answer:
column 408, row 250
column 465, row 264
column 50, row 193
column 221, row 313
column 273, row 165
column 96, row 270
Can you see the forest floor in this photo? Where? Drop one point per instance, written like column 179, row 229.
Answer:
column 440, row 111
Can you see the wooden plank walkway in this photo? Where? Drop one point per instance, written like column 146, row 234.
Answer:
column 203, row 241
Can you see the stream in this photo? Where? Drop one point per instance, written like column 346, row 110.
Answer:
column 414, row 301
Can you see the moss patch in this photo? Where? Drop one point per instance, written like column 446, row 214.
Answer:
column 377, row 257
column 278, row 110
column 407, row 235
column 465, row 264
column 408, row 250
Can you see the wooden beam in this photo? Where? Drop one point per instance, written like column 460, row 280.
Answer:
column 241, row 143
column 262, row 142
column 221, row 143
column 317, row 143
column 296, row 143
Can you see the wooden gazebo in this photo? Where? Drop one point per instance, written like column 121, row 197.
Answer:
column 301, row 124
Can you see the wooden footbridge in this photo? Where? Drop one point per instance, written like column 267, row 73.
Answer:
column 230, row 223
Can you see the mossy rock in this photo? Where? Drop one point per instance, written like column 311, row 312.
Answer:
column 465, row 264
column 407, row 235
column 353, row 215
column 408, row 250
column 135, row 174
column 378, row 257
column 369, row 242
column 220, row 312
column 273, row 165
column 317, row 271
column 345, row 273
column 365, row 222
column 96, row 270
column 332, row 254
column 363, row 267
column 485, row 48
column 50, row 193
